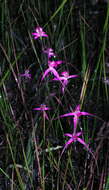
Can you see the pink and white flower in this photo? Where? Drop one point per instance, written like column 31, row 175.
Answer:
column 49, row 52
column 74, row 138
column 43, row 108
column 64, row 78
column 39, row 33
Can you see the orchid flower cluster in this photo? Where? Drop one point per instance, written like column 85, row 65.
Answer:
column 52, row 65
column 63, row 78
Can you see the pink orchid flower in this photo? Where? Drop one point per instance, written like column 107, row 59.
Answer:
column 74, row 138
column 64, row 78
column 43, row 108
column 39, row 33
column 54, row 63
column 49, row 52
column 76, row 114
column 51, row 68
column 26, row 74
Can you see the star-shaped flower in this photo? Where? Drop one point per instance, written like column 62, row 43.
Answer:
column 51, row 68
column 39, row 33
column 76, row 114
column 49, row 52
column 64, row 78
column 43, row 108
column 74, row 138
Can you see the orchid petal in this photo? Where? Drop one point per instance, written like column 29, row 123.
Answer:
column 67, row 134
column 86, row 113
column 63, row 89
column 26, row 75
column 66, row 145
column 78, row 134
column 49, row 52
column 55, row 79
column 86, row 146
column 65, row 82
column 42, row 107
column 67, row 114
column 54, row 63
column 72, row 76
column 45, row 35
column 82, row 142
column 36, row 108
column 69, row 142
column 55, row 73
column 46, row 73
column 77, row 108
